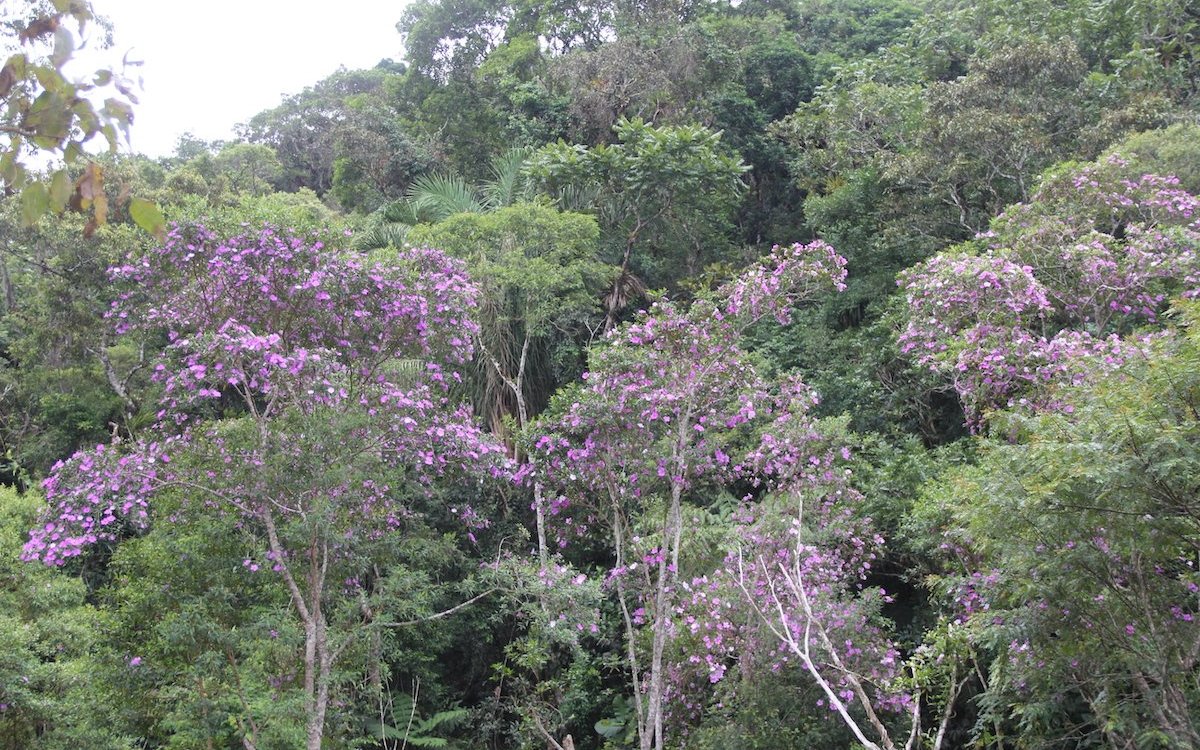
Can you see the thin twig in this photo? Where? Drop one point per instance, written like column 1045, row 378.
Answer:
column 438, row 615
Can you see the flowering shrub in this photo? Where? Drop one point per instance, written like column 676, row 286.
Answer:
column 1071, row 553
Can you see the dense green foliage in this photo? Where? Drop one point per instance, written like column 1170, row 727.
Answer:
column 700, row 499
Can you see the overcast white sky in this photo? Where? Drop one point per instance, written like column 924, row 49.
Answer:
column 209, row 64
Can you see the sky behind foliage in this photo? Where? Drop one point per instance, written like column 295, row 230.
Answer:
column 225, row 60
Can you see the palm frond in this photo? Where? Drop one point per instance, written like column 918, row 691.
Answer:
column 411, row 729
column 507, row 185
column 400, row 212
column 581, row 198
column 386, row 234
column 626, row 288
column 402, row 371
column 439, row 196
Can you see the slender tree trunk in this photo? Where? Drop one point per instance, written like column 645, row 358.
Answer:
column 668, row 567
column 320, row 700
column 644, row 734
column 318, row 669
column 319, row 672
column 539, row 508
column 517, row 385
column 663, row 618
column 318, row 659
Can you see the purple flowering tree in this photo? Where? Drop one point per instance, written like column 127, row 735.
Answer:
column 668, row 412
column 1051, row 293
column 325, row 379
column 794, row 590
column 1071, row 557
column 1072, row 545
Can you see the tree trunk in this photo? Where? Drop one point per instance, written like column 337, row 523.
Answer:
column 667, row 567
column 318, row 660
column 539, row 508
column 630, row 634
column 319, row 702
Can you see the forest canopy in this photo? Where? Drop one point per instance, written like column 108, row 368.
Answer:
column 770, row 374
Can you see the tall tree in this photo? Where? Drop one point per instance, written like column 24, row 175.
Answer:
column 1070, row 557
column 663, row 196
column 539, row 280
column 652, row 424
column 316, row 353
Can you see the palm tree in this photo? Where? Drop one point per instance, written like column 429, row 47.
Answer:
column 436, row 197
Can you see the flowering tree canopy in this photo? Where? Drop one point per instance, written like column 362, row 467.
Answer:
column 671, row 409
column 331, row 375
column 1046, row 295
column 1071, row 552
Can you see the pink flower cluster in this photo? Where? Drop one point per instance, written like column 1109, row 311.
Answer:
column 1054, row 290
column 788, row 276
column 93, row 495
column 280, row 330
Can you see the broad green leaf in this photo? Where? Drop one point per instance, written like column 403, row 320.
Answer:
column 35, row 201
column 147, row 216
column 11, row 171
column 110, row 134
column 60, row 191
column 609, row 728
column 85, row 119
column 50, row 118
column 49, row 78
column 119, row 111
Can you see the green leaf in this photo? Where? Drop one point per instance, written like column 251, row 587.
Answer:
column 64, row 46
column 609, row 728
column 147, row 216
column 35, row 201
column 110, row 135
column 60, row 190
column 49, row 78
column 119, row 111
column 50, row 118
column 11, row 170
